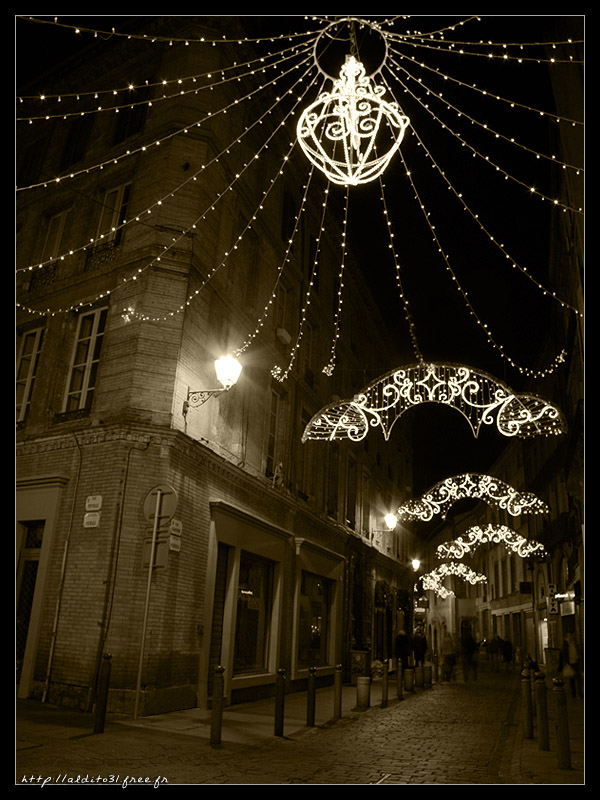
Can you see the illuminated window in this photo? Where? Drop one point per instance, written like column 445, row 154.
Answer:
column 253, row 614
column 314, row 620
column 27, row 364
column 86, row 359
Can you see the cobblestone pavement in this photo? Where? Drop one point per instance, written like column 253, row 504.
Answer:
column 458, row 733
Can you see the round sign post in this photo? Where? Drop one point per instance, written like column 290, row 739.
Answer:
column 159, row 505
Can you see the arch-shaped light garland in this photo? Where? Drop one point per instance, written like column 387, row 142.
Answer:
column 441, row 497
column 490, row 534
column 479, row 397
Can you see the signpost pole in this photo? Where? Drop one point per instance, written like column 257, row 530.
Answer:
column 147, row 604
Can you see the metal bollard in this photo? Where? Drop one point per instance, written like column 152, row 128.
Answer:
column 384, row 685
column 409, row 679
column 279, row 702
column 311, row 696
column 216, row 719
column 419, row 677
column 102, row 694
column 563, row 744
column 526, row 703
column 399, row 679
column 436, row 667
column 337, row 692
column 541, row 704
column 363, row 692
column 428, row 679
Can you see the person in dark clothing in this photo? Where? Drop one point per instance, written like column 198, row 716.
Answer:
column 402, row 648
column 507, row 653
column 419, row 647
column 469, row 654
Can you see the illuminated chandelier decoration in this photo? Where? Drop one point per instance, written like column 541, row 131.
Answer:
column 491, row 534
column 343, row 130
column 479, row 397
column 492, row 490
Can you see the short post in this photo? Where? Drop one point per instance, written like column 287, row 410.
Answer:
column 399, row 679
column 419, row 677
column 102, row 693
column 436, row 667
column 409, row 679
column 541, row 704
column 526, row 701
column 363, row 692
column 311, row 697
column 563, row 744
column 384, row 685
column 427, row 673
column 337, row 692
column 216, row 718
column 279, row 702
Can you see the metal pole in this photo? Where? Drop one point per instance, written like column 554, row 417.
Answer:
column 399, row 679
column 563, row 744
column 147, row 604
column 102, row 694
column 279, row 701
column 541, row 704
column 384, row 685
column 311, row 697
column 337, row 693
column 216, row 721
column 526, row 700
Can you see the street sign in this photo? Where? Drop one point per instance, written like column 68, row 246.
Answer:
column 168, row 503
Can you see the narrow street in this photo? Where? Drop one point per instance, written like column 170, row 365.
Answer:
column 457, row 733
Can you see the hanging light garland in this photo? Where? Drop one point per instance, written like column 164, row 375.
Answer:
column 490, row 534
column 351, row 74
column 439, row 499
column 476, row 395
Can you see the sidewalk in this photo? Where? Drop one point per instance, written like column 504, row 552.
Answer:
column 45, row 733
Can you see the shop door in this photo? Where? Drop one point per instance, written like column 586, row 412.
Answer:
column 27, row 570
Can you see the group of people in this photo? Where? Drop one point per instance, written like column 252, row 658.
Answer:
column 465, row 652
column 414, row 647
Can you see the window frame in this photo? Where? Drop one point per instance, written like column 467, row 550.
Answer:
column 29, row 380
column 95, row 340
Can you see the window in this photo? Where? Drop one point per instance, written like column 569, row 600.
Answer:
column 131, row 120
column 314, row 620
column 86, row 358
column 253, row 614
column 77, row 141
column 114, row 210
column 54, row 235
column 27, row 364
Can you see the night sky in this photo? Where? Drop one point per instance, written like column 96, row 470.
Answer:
column 515, row 309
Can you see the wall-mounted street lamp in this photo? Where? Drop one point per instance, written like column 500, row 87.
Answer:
column 228, row 370
column 390, row 521
column 416, row 564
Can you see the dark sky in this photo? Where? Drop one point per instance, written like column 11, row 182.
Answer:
column 515, row 309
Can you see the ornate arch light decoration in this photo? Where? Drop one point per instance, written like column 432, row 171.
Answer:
column 434, row 580
column 351, row 133
column 479, row 397
column 493, row 491
column 491, row 534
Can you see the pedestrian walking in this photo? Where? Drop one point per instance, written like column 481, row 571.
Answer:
column 507, row 654
column 495, row 651
column 419, row 646
column 448, row 657
column 469, row 656
column 402, row 648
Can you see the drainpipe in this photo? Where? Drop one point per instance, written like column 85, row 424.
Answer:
column 63, row 570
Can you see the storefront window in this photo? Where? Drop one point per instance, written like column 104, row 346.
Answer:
column 253, row 614
column 313, row 635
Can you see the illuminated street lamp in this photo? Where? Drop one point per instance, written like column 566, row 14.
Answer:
column 228, row 370
column 390, row 521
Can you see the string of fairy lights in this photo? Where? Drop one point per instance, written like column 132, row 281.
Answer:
column 299, row 56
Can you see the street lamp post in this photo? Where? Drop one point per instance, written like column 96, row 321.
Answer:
column 228, row 370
